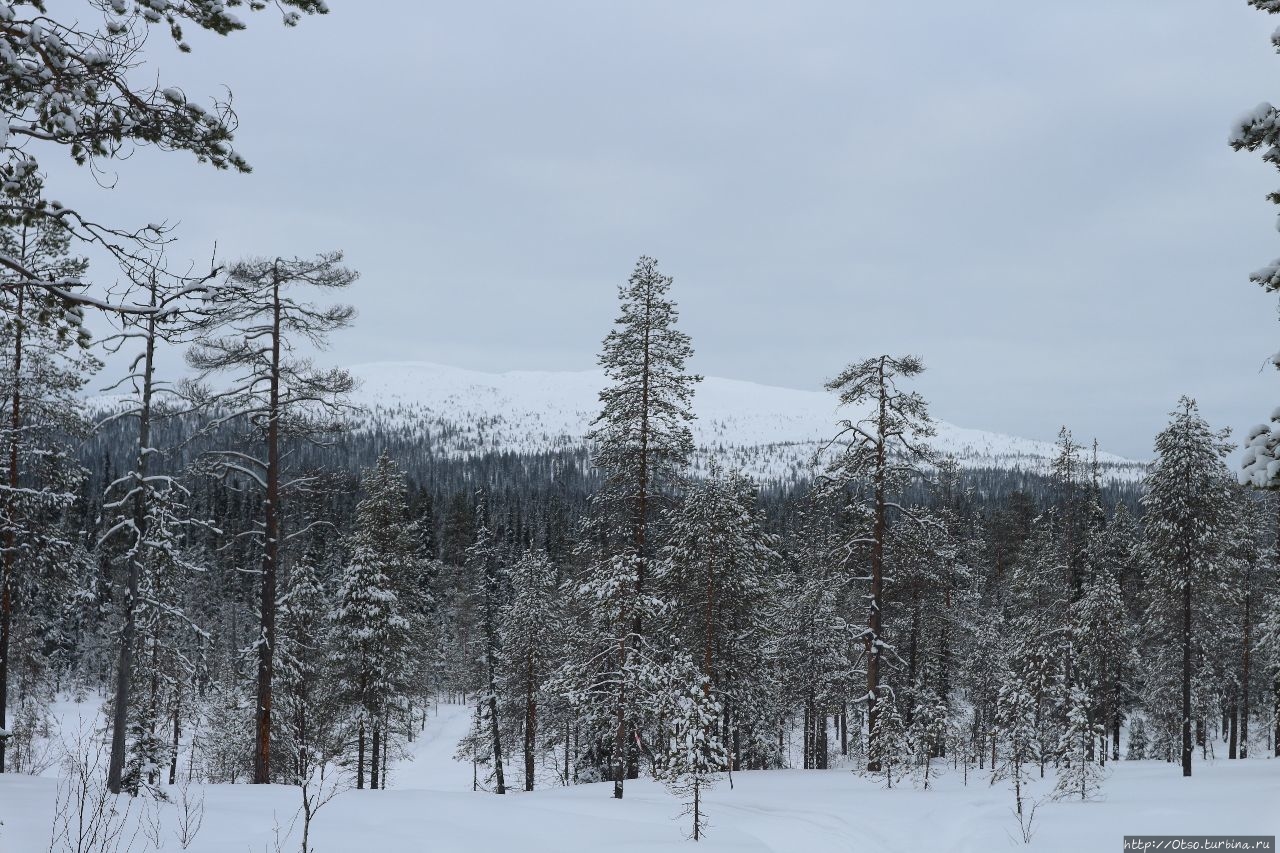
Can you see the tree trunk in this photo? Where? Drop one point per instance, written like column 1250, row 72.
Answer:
column 913, row 648
column 360, row 755
column 1244, row 661
column 1275, row 739
column 177, row 736
column 1233, row 713
column 153, row 715
column 1275, row 683
column 697, row 810
column 375, row 755
column 10, row 534
column 809, row 741
column 824, row 746
column 531, row 724
column 1186, row 678
column 270, row 558
column 124, row 659
column 497, row 745
column 620, row 725
column 874, row 620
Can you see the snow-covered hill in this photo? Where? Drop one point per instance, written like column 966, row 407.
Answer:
column 769, row 432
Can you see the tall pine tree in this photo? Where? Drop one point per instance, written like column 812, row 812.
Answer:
column 641, row 442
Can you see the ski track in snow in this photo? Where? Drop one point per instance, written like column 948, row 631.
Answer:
column 432, row 767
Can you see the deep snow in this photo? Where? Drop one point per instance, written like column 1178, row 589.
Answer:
column 431, row 808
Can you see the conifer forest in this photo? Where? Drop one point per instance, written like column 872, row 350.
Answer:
column 268, row 583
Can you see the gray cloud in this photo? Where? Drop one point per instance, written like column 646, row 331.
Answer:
column 1036, row 198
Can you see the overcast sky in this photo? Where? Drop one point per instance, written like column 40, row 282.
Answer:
column 1036, row 198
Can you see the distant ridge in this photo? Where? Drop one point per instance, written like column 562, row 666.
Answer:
column 769, row 432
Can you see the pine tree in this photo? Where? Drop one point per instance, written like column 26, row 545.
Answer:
column 253, row 329
column 878, row 453
column 1073, row 509
column 105, row 106
column 147, row 509
column 1259, row 130
column 1188, row 505
column 641, row 442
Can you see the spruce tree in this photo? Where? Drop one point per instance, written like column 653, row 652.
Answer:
column 531, row 639
column 1016, row 721
column 888, row 751
column 926, row 733
column 1136, row 748
column 1079, row 773
column 309, row 719
column 1188, row 512
column 372, row 658
column 718, row 569
column 1104, row 644
column 695, row 753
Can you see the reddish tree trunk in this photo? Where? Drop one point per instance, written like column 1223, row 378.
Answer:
column 270, row 559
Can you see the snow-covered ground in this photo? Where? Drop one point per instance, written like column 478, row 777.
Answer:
column 431, row 808
column 769, row 432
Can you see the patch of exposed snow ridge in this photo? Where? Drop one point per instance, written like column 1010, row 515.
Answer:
column 770, row 433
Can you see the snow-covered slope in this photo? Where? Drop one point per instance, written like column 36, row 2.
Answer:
column 769, row 432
